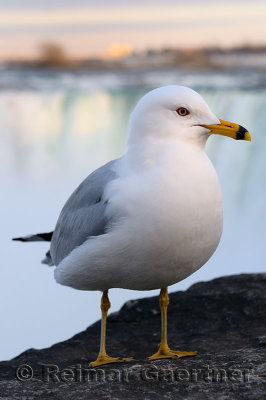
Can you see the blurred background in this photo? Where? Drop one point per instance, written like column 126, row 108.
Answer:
column 70, row 74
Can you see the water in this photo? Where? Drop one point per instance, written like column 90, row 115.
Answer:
column 57, row 128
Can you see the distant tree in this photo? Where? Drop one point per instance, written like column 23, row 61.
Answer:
column 52, row 55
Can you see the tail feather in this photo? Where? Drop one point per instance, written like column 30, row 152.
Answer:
column 38, row 237
column 48, row 259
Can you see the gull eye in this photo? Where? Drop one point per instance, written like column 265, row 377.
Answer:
column 182, row 111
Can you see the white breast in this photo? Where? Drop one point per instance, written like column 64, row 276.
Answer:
column 166, row 222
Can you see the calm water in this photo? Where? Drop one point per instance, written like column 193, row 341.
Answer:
column 55, row 129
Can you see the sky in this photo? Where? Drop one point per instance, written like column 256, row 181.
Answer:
column 88, row 28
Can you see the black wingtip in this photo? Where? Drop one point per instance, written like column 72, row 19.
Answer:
column 39, row 237
column 20, row 239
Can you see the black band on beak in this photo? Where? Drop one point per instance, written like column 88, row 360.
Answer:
column 240, row 134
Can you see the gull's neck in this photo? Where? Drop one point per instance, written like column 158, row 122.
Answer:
column 151, row 153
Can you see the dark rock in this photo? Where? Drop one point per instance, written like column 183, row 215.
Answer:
column 225, row 320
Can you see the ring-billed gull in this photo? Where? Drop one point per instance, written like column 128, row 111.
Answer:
column 150, row 218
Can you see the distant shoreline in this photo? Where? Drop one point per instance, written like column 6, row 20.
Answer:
column 239, row 58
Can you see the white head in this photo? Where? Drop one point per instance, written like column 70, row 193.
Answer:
column 177, row 113
column 173, row 112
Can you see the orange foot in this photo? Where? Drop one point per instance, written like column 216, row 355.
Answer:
column 105, row 359
column 168, row 353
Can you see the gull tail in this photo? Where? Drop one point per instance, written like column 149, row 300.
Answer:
column 48, row 259
column 39, row 237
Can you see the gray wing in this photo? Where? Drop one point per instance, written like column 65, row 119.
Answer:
column 83, row 214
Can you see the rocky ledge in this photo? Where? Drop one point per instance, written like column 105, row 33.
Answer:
column 224, row 319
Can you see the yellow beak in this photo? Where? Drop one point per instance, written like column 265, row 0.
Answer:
column 229, row 129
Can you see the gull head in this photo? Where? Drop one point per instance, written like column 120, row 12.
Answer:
column 178, row 113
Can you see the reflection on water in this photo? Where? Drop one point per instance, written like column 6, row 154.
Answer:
column 54, row 132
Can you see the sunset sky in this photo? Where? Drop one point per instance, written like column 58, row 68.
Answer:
column 87, row 28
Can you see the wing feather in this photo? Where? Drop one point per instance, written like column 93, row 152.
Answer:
column 83, row 215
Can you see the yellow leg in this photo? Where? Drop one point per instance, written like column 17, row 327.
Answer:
column 164, row 351
column 103, row 358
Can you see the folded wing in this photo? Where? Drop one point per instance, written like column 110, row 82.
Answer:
column 83, row 214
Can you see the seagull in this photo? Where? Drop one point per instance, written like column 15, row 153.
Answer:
column 150, row 218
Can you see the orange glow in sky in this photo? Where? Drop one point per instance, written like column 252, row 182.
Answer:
column 116, row 30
